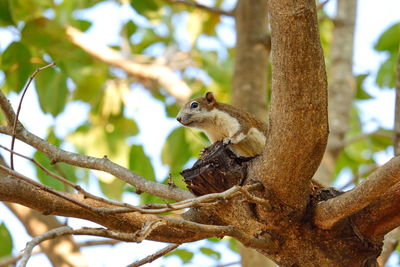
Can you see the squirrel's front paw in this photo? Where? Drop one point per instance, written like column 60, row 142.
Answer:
column 227, row 141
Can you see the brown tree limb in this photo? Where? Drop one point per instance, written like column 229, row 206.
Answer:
column 154, row 256
column 382, row 216
column 161, row 74
column 250, row 81
column 329, row 212
column 202, row 7
column 298, row 115
column 173, row 230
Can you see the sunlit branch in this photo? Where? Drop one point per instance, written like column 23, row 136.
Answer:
column 329, row 212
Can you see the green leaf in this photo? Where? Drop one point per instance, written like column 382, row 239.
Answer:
column 185, row 255
column 386, row 76
column 382, row 140
column 390, row 39
column 81, row 24
column 16, row 66
column 111, row 187
column 51, row 86
column 45, row 34
column 28, row 10
column 6, row 242
column 360, row 92
column 129, row 28
column 176, row 151
column 140, row 163
column 233, row 244
column 146, row 8
column 5, row 13
column 44, row 178
column 211, row 253
column 124, row 127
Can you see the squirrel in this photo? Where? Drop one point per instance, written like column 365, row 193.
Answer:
column 222, row 122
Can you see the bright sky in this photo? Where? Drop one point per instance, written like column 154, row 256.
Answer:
column 373, row 18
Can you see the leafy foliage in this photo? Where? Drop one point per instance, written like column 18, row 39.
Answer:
column 6, row 243
column 388, row 42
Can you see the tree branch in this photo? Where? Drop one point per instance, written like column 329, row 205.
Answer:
column 103, row 164
column 172, row 230
column 154, row 256
column 19, row 109
column 298, row 115
column 36, row 223
column 329, row 212
column 382, row 215
column 202, row 7
column 138, row 236
column 163, row 75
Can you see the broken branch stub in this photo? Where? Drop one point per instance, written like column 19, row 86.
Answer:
column 217, row 170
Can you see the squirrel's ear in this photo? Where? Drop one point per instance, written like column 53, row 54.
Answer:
column 210, row 98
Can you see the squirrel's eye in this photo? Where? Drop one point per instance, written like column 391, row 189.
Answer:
column 194, row 104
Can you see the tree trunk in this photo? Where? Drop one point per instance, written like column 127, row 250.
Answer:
column 249, row 89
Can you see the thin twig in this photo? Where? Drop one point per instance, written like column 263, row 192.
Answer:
column 255, row 199
column 89, row 243
column 228, row 264
column 154, row 256
column 203, row 7
column 66, row 230
column 14, row 129
column 322, row 4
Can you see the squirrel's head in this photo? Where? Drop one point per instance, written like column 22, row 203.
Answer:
column 196, row 112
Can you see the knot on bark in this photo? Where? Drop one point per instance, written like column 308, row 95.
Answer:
column 217, row 170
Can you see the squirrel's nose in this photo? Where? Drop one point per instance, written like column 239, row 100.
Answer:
column 179, row 119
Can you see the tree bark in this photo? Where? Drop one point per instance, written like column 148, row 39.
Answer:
column 249, row 79
column 298, row 116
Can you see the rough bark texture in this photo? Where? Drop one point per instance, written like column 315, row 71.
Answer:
column 298, row 116
column 249, row 83
column 341, row 87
